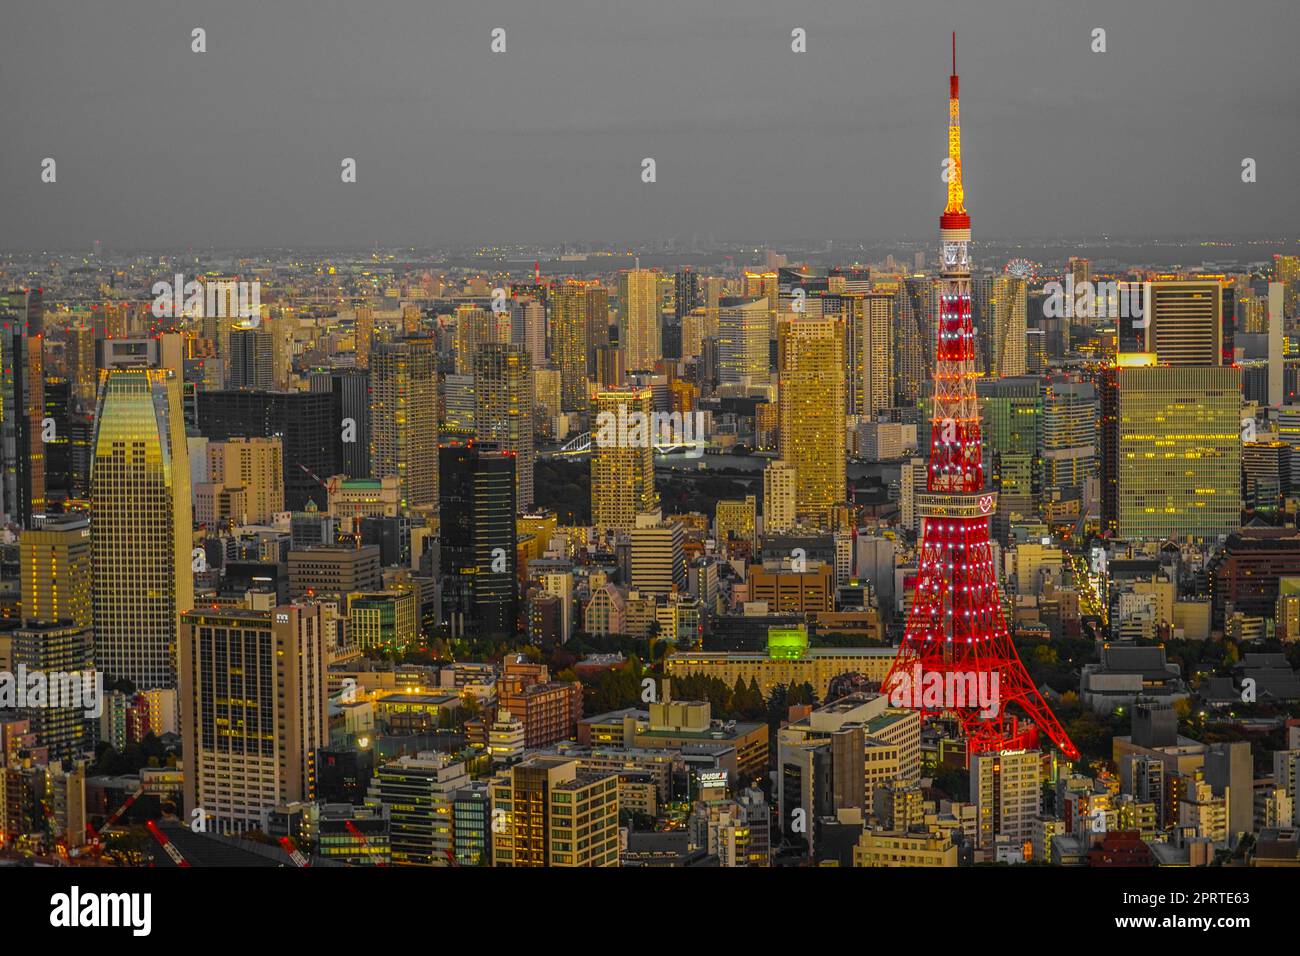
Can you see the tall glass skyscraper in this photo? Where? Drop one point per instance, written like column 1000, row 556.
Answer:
column 141, row 526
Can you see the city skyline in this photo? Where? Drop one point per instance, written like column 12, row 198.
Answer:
column 931, row 554
column 243, row 143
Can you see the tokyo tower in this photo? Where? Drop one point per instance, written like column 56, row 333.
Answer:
column 957, row 636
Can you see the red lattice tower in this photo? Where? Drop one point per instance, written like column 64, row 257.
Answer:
column 956, row 627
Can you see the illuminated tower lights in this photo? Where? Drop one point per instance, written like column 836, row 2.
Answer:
column 956, row 624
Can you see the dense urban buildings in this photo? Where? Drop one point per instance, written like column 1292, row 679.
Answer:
column 690, row 551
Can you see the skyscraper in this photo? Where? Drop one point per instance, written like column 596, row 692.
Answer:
column 349, row 390
column 872, row 359
column 742, row 343
column 1006, row 333
column 622, row 470
column 639, row 290
column 778, row 497
column 528, row 328
column 478, row 554
column 1177, row 451
column 1069, row 445
column 22, row 406
column 141, row 527
column 404, row 417
column 810, row 360
column 56, row 569
column 569, row 344
column 251, row 359
column 474, row 326
column 503, row 419
column 1184, row 321
column 253, row 710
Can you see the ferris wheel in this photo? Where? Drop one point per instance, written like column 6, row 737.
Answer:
column 1022, row 269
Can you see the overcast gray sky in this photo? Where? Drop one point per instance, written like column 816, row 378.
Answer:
column 159, row 146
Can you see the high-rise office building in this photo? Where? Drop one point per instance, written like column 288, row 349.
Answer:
column 56, row 568
column 478, row 552
column 1068, row 445
column 62, row 651
column 569, row 344
column 1184, row 321
column 349, row 389
column 916, row 308
column 870, row 354
column 304, row 422
column 404, row 417
column 1286, row 269
column 503, row 419
column 551, row 813
column 686, row 292
column 1177, row 451
column 528, row 329
column 141, row 529
column 1006, row 788
column 658, row 559
column 22, row 406
column 639, row 292
column 810, row 359
column 778, row 497
column 622, row 470
column 1006, row 330
column 251, row 361
column 742, row 343
column 253, row 698
column 419, row 792
column 474, row 327
column 596, row 299
column 254, row 466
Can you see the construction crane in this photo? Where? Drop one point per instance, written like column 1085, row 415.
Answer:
column 352, row 828
column 294, row 853
column 96, row 843
column 166, row 844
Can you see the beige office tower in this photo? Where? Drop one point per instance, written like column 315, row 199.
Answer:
column 56, row 569
column 1286, row 269
column 810, row 359
column 715, row 287
column 363, row 333
column 778, row 497
column 474, row 327
column 141, row 526
column 503, row 416
column 253, row 711
column 1184, row 321
column 569, row 344
column 282, row 345
column 255, row 465
column 404, row 417
column 546, row 399
column 622, row 459
column 547, row 812
column 81, row 356
column 765, row 285
column 639, row 292
column 1006, row 788
column 528, row 322
column 1008, row 303
column 873, row 361
column 693, row 325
